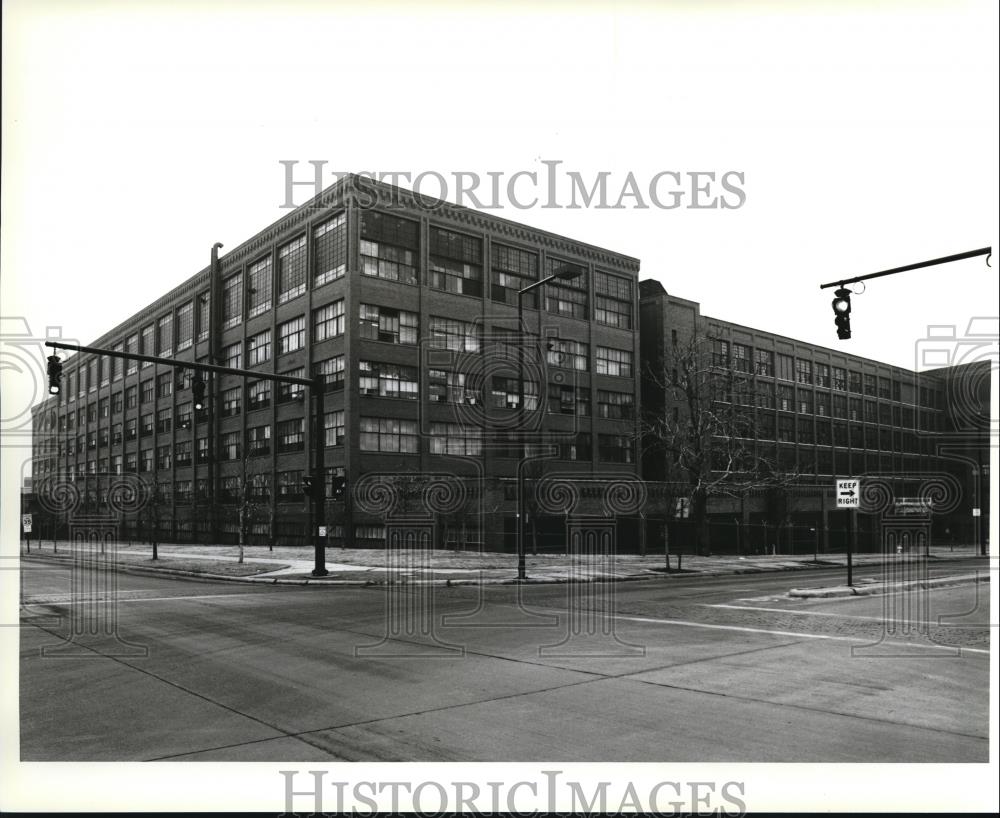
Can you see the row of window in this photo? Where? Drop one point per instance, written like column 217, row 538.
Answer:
column 824, row 404
column 376, row 324
column 402, row 436
column 611, row 449
column 379, row 380
column 376, row 435
column 290, row 436
column 767, row 363
column 389, row 247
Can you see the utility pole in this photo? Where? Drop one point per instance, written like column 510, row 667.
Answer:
column 214, row 357
column 565, row 273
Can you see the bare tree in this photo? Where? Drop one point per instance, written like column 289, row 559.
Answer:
column 700, row 428
column 253, row 501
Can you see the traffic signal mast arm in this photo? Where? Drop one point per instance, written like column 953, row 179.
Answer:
column 316, row 495
column 224, row 370
column 982, row 251
column 842, row 297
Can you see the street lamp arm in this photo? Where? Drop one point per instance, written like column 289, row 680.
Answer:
column 536, row 284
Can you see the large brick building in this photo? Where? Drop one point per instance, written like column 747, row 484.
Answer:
column 409, row 312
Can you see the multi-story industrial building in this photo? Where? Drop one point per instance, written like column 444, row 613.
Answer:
column 409, row 313
column 407, row 309
column 818, row 414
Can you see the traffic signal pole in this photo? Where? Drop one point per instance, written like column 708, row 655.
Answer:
column 317, row 497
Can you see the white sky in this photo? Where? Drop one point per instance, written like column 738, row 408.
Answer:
column 138, row 135
column 135, row 135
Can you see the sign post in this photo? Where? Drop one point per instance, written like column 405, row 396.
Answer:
column 848, row 494
column 26, row 524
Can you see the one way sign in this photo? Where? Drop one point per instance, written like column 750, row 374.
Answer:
column 848, row 493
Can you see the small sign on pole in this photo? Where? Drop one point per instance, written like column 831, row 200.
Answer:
column 26, row 523
column 322, row 530
column 849, row 493
column 975, row 513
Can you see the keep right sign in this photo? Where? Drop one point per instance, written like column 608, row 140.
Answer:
column 849, row 493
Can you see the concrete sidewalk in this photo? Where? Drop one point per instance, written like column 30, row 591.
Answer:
column 294, row 564
column 868, row 587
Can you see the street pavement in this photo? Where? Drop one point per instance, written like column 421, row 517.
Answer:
column 690, row 668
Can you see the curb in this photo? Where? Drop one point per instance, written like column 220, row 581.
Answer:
column 651, row 574
column 876, row 588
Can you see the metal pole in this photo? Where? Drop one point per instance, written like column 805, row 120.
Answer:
column 178, row 364
column 851, row 534
column 981, row 499
column 521, row 568
column 214, row 356
column 317, row 499
column 983, row 251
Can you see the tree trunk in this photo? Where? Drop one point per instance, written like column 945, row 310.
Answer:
column 699, row 521
column 666, row 545
column 243, row 530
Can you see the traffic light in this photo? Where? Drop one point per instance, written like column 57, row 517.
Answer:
column 339, row 487
column 55, row 375
column 312, row 486
column 198, row 391
column 842, row 313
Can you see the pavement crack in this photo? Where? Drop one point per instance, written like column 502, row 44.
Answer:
column 705, row 659
column 186, row 690
column 807, row 709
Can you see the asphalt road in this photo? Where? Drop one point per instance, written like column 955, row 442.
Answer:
column 684, row 669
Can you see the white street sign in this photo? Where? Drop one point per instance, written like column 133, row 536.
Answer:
column 26, row 523
column 849, row 493
column 322, row 530
column 975, row 513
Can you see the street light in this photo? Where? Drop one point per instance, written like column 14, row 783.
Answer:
column 567, row 272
